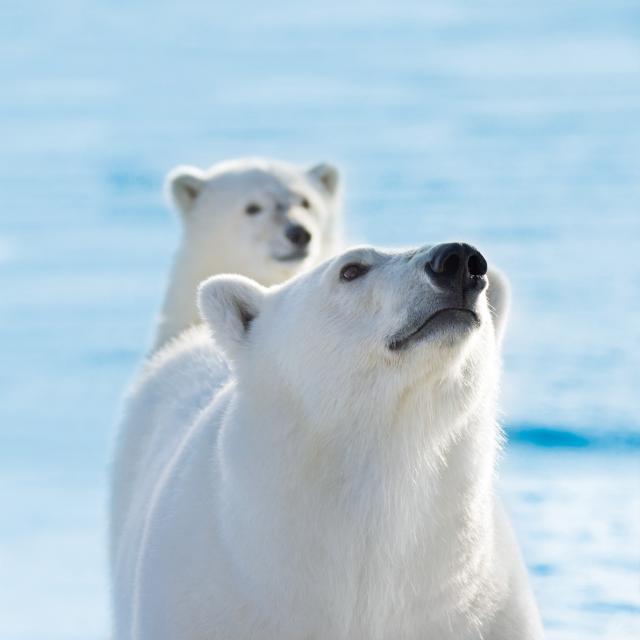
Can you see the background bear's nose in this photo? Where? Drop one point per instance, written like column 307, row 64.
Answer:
column 298, row 235
column 455, row 263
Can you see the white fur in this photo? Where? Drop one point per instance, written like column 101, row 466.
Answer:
column 295, row 478
column 220, row 237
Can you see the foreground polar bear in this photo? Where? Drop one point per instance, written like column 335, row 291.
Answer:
column 323, row 467
column 260, row 218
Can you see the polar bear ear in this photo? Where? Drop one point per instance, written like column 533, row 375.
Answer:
column 499, row 298
column 184, row 184
column 229, row 304
column 327, row 175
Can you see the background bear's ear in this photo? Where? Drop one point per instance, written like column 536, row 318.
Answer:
column 184, row 184
column 229, row 304
column 327, row 175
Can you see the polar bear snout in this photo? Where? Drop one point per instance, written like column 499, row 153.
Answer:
column 297, row 235
column 456, row 266
column 298, row 238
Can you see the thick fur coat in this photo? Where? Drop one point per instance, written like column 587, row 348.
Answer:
column 318, row 462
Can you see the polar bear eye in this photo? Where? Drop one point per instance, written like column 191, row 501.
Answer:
column 305, row 203
column 253, row 208
column 353, row 270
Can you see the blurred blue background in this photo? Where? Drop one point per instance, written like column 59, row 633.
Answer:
column 511, row 125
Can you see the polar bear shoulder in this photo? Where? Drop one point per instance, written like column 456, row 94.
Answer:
column 175, row 385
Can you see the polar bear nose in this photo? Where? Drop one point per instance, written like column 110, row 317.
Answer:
column 455, row 262
column 297, row 235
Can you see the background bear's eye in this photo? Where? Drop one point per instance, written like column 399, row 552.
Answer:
column 305, row 203
column 353, row 270
column 253, row 208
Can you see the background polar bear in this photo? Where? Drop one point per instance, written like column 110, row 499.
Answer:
column 260, row 218
column 335, row 479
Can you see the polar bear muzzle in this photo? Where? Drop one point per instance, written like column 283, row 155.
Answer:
column 456, row 272
column 299, row 237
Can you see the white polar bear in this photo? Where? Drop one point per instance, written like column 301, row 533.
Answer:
column 323, row 467
column 260, row 218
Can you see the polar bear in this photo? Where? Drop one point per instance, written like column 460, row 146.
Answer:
column 261, row 218
column 322, row 464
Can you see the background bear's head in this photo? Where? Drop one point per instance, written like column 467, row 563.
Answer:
column 264, row 219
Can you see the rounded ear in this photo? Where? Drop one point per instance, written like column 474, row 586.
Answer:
column 184, row 184
column 499, row 298
column 229, row 304
column 327, row 175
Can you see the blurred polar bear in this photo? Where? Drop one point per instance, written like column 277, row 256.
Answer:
column 261, row 218
column 323, row 465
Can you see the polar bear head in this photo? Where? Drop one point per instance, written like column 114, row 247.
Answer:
column 364, row 337
column 261, row 218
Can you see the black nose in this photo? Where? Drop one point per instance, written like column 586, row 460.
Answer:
column 298, row 235
column 455, row 263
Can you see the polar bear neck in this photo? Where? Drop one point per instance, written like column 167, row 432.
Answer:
column 179, row 309
column 197, row 259
column 370, row 518
column 194, row 262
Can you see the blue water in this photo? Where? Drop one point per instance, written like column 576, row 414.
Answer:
column 511, row 125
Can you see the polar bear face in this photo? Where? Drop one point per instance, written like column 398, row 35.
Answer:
column 261, row 218
column 362, row 332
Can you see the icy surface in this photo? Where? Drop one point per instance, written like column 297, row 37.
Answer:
column 510, row 125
